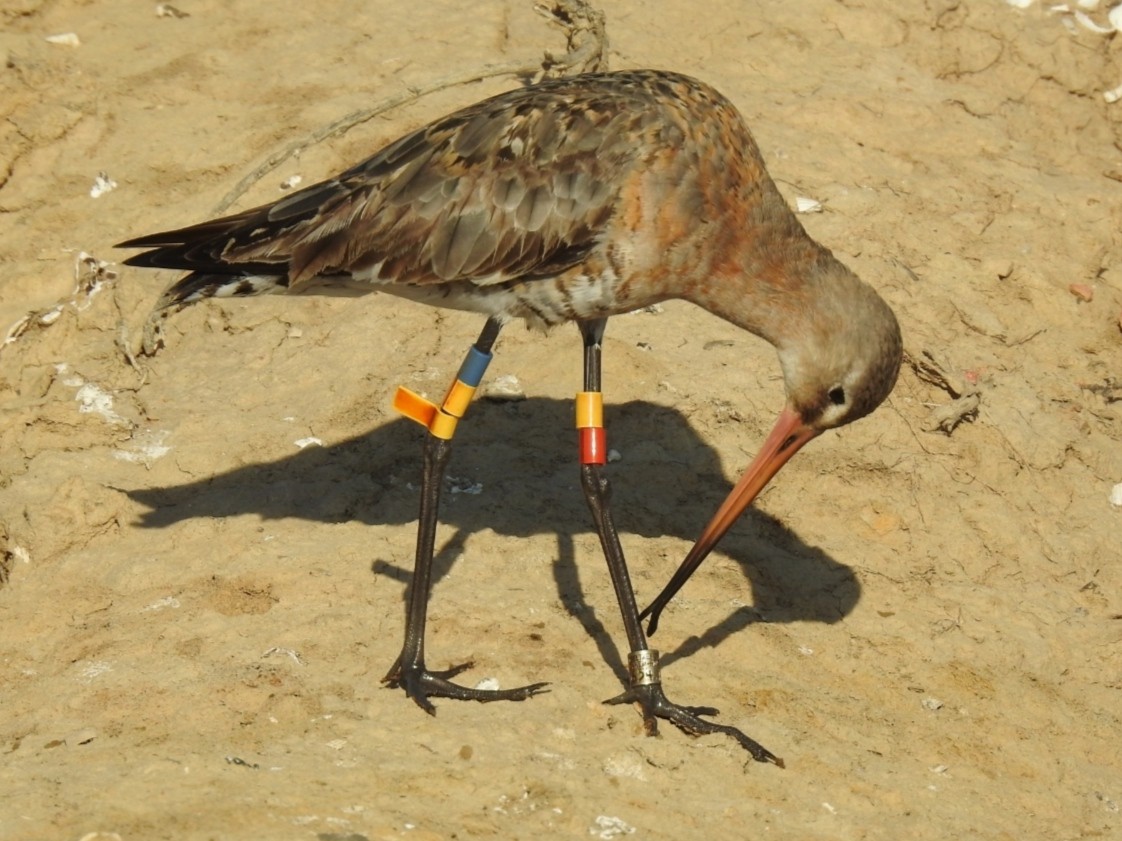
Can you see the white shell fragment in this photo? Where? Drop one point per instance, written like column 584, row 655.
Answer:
column 1116, row 495
column 608, row 827
column 1069, row 17
column 805, row 205
column 291, row 182
column 310, row 441
column 290, row 653
column 66, row 39
column 1087, row 23
column 102, row 185
column 90, row 275
column 160, row 604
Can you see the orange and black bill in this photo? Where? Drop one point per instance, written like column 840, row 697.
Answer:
column 787, row 437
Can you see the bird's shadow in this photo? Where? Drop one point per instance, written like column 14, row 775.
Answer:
column 669, row 482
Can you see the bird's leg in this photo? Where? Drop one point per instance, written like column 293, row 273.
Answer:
column 645, row 684
column 409, row 671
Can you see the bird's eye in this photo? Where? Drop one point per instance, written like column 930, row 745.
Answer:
column 836, row 395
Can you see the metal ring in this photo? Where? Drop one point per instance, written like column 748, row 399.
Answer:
column 643, row 666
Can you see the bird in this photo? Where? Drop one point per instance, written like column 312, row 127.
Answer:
column 569, row 200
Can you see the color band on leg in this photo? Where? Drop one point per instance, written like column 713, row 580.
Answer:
column 444, row 425
column 441, row 420
column 593, row 445
column 414, row 406
column 590, row 409
column 474, row 367
column 590, row 427
column 458, row 399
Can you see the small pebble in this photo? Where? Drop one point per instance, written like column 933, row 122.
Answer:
column 1116, row 495
column 608, row 827
column 1083, row 291
column 625, row 766
column 81, row 737
column 66, row 39
column 102, row 184
column 504, row 388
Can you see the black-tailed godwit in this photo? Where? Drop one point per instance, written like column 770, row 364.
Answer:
column 571, row 200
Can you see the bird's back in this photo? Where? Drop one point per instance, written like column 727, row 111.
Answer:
column 573, row 198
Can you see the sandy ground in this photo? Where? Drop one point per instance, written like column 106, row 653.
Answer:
column 196, row 613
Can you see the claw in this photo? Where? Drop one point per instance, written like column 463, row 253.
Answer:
column 655, row 705
column 420, row 684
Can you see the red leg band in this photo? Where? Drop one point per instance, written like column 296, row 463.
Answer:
column 593, row 445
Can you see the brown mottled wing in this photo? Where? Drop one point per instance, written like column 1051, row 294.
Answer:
column 519, row 185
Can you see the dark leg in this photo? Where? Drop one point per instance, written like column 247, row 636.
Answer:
column 409, row 671
column 645, row 688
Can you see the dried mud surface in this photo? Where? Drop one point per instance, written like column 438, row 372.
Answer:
column 196, row 613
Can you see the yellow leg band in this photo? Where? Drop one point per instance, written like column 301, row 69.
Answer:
column 444, row 425
column 590, row 409
column 458, row 399
column 439, row 420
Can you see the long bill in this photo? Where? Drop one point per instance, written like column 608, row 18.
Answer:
column 787, row 437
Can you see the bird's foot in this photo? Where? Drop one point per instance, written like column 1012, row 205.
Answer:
column 420, row 684
column 646, row 691
column 655, row 705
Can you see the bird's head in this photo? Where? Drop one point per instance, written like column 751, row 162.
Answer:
column 841, row 360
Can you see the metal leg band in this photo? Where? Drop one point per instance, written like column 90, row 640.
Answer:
column 642, row 667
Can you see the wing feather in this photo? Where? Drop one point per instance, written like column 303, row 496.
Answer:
column 517, row 186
